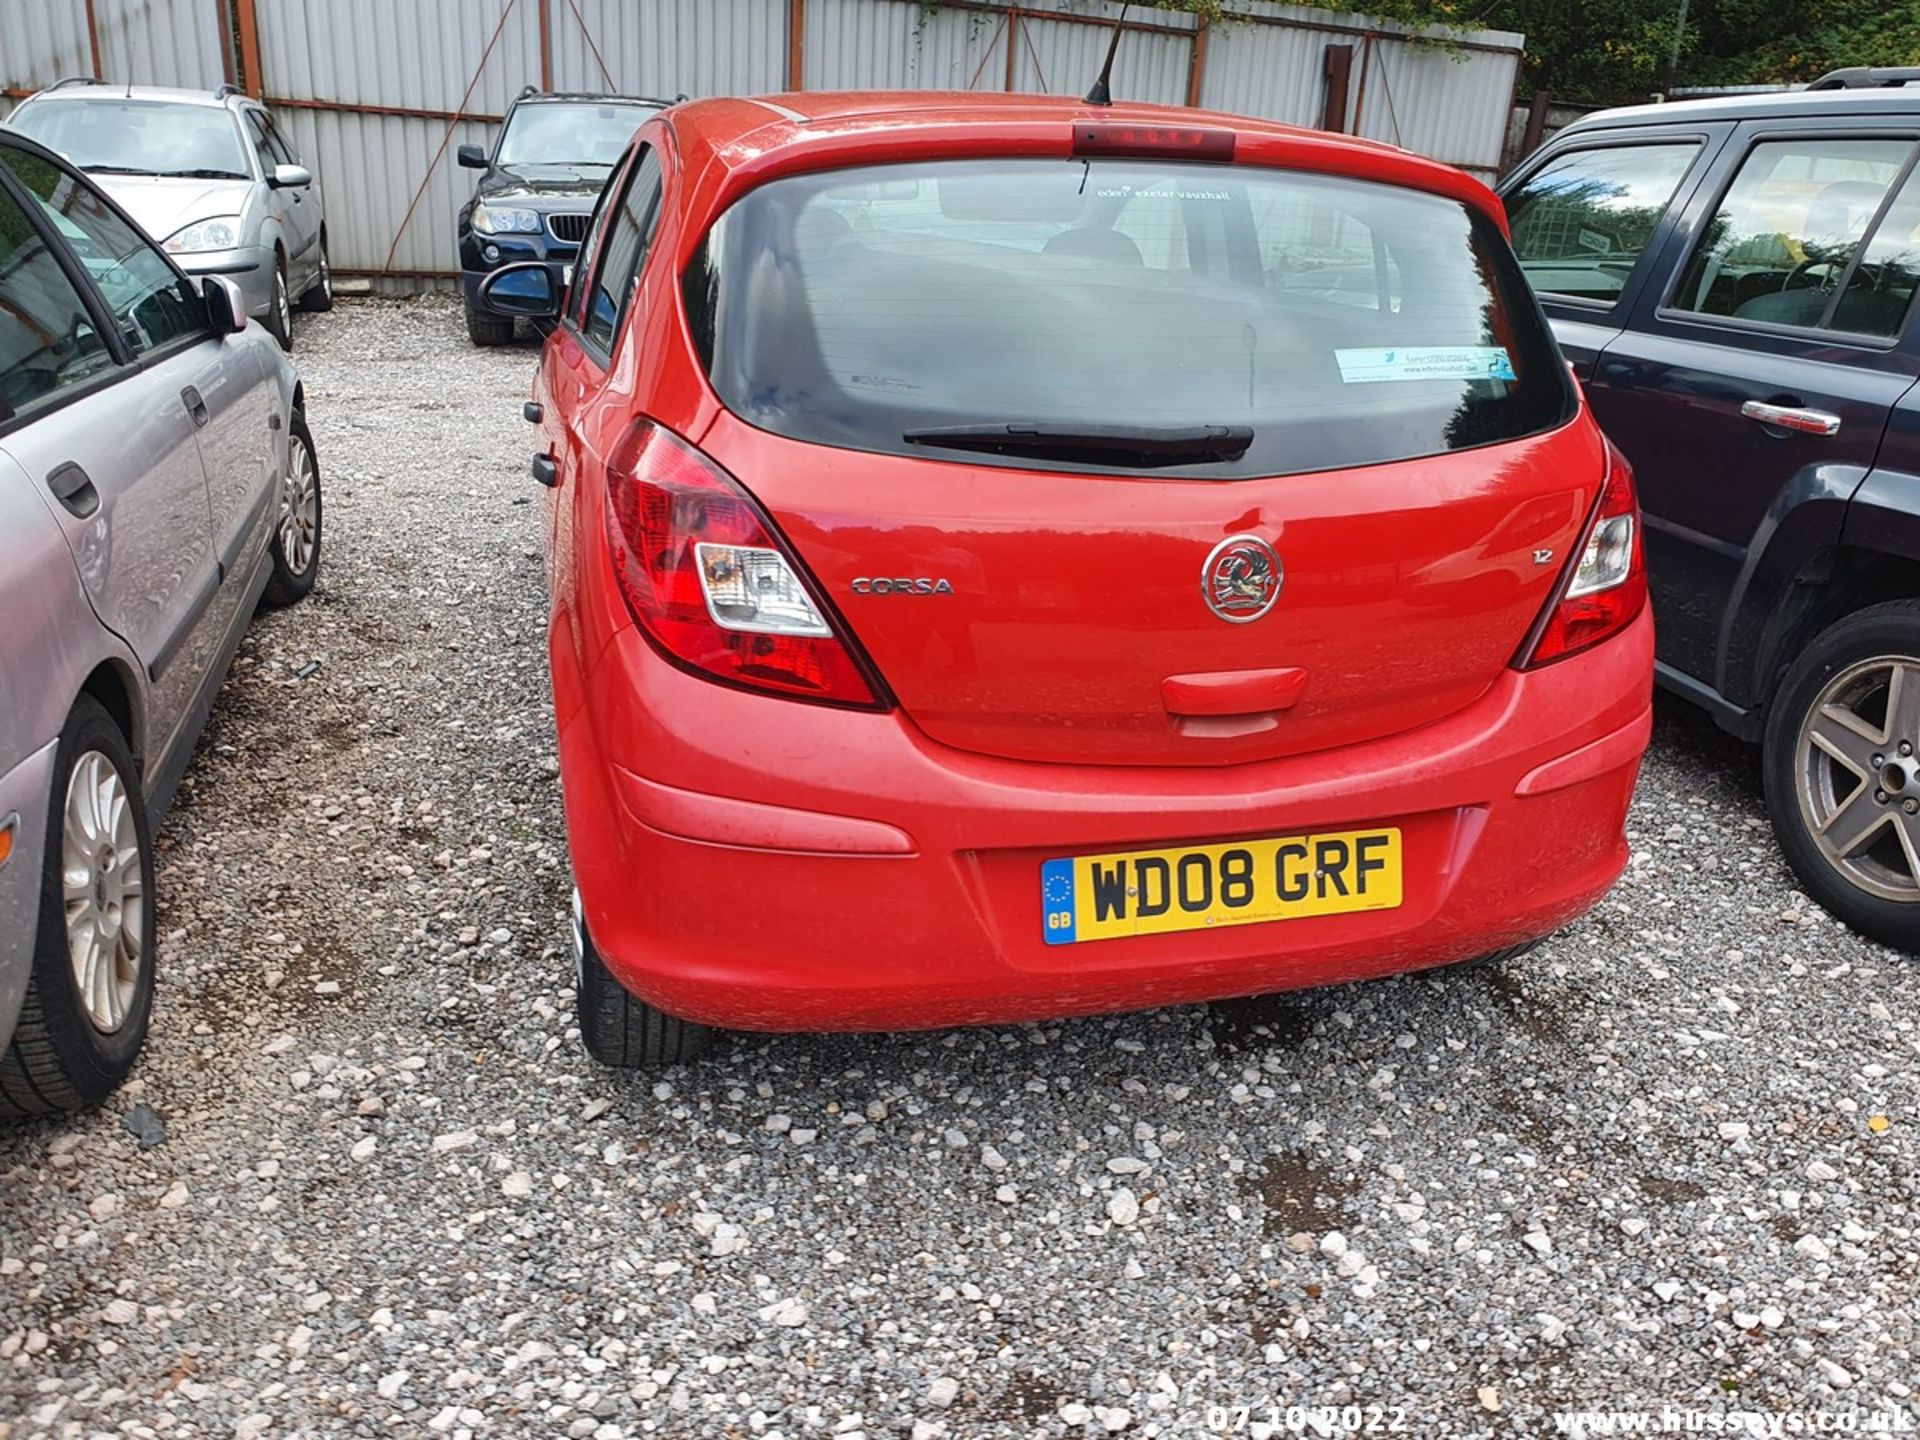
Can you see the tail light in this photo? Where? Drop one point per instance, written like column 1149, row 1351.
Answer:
column 712, row 586
column 1605, row 589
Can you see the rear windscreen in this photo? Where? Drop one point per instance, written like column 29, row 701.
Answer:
column 1341, row 322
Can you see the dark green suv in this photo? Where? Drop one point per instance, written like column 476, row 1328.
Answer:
column 1733, row 281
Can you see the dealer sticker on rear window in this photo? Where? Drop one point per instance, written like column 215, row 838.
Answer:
column 1425, row 362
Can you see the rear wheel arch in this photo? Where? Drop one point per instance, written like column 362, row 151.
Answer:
column 1829, row 585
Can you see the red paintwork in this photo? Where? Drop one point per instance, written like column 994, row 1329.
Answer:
column 759, row 862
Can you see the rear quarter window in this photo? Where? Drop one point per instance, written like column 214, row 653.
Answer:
column 1344, row 322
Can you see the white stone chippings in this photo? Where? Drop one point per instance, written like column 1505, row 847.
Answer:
column 1054, row 1227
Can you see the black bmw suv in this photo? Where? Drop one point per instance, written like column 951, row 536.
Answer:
column 1733, row 280
column 552, row 157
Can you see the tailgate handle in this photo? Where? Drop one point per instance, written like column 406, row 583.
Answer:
column 1233, row 692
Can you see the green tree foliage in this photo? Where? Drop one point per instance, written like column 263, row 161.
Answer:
column 1618, row 51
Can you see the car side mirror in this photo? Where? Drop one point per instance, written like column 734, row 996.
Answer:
column 290, row 177
column 226, row 306
column 472, row 157
column 527, row 289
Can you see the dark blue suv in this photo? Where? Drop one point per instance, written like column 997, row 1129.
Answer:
column 1732, row 280
column 547, row 169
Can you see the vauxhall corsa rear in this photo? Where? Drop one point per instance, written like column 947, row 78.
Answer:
column 1013, row 558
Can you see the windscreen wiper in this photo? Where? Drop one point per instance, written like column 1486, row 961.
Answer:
column 116, row 170
column 202, row 173
column 1139, row 446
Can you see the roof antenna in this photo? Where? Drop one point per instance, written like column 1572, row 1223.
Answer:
column 1102, row 91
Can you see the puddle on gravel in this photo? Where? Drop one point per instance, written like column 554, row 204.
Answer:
column 1544, row 1023
column 1262, row 1020
column 1297, row 1194
column 1030, row 1399
column 1672, row 1192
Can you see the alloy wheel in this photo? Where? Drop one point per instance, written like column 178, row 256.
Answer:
column 282, row 305
column 103, row 885
column 299, row 509
column 1859, row 775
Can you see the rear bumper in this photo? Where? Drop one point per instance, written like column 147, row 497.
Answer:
column 895, row 884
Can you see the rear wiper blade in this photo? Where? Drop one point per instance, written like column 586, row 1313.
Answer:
column 1139, row 445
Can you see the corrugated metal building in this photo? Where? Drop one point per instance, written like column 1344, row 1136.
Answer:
column 378, row 94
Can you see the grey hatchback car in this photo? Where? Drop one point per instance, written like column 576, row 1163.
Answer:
column 209, row 175
column 157, row 482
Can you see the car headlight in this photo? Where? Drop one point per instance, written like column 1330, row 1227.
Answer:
column 222, row 232
column 489, row 220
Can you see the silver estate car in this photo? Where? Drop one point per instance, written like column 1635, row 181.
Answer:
column 157, row 483
column 207, row 174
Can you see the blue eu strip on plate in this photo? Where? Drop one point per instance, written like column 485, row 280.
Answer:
column 1056, row 897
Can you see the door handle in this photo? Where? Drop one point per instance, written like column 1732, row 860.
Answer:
column 196, row 407
column 545, row 470
column 1792, row 417
column 73, row 488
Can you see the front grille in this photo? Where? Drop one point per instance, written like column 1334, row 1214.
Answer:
column 568, row 227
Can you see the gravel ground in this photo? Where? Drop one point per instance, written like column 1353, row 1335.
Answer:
column 1668, row 1159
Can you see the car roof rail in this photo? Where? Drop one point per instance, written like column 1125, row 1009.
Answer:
column 1868, row 77
column 66, row 80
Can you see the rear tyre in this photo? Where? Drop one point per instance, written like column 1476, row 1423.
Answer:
column 488, row 330
column 296, row 530
column 319, row 297
column 621, row 1030
column 279, row 321
column 90, row 991
column 1841, row 764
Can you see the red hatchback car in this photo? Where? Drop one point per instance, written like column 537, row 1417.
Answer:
column 1014, row 558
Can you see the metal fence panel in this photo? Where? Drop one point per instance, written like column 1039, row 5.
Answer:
column 1059, row 57
column 41, row 40
column 1448, row 99
column 421, row 55
column 1450, row 105
column 143, row 42
column 368, row 88
column 162, row 42
column 882, row 44
column 1267, row 70
column 369, row 167
column 661, row 48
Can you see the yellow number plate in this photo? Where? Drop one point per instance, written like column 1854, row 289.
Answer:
column 1152, row 892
